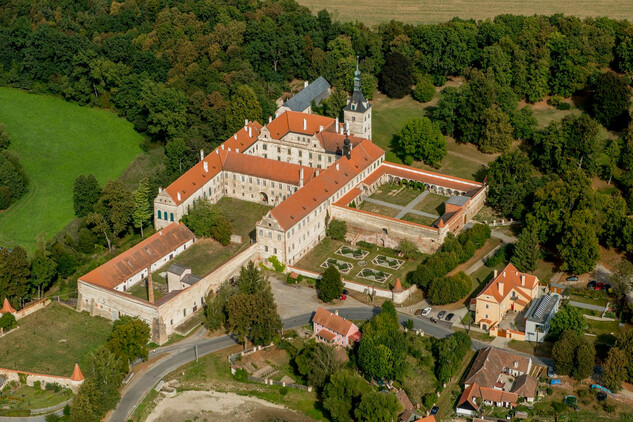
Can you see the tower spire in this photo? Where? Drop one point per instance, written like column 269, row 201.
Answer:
column 357, row 85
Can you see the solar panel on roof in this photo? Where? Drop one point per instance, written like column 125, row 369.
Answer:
column 540, row 310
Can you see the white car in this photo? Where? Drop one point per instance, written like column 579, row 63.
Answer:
column 426, row 311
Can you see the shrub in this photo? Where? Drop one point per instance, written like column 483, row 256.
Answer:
column 408, row 249
column 429, row 400
column 366, row 245
column 241, row 375
column 8, row 322
column 283, row 391
column 424, row 89
column 337, row 229
column 278, row 266
column 549, row 391
column 555, row 101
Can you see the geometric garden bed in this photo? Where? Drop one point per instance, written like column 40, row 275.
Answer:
column 388, row 262
column 373, row 275
column 342, row 266
column 353, row 253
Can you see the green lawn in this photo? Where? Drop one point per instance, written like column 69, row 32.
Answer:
column 396, row 194
column 432, row 203
column 23, row 398
column 389, row 116
column 56, row 142
column 419, row 219
column 379, row 209
column 327, row 248
column 52, row 339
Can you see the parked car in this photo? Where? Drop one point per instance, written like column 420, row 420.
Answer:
column 599, row 286
column 449, row 317
column 555, row 382
column 572, row 278
column 434, row 320
column 441, row 314
column 426, row 311
column 550, row 372
column 343, row 296
column 592, row 284
column 345, row 292
column 434, row 410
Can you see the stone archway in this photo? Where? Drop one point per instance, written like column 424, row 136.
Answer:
column 263, row 197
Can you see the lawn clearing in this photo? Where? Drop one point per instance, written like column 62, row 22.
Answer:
column 419, row 219
column 51, row 340
column 395, row 194
column 24, row 398
column 435, row 11
column 56, row 142
column 432, row 204
column 379, row 209
column 243, row 215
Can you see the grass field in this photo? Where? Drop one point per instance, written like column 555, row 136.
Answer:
column 56, row 142
column 434, row 11
column 52, row 340
column 20, row 400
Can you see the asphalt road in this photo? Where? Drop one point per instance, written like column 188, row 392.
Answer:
column 178, row 355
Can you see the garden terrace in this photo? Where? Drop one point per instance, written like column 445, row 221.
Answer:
column 386, row 275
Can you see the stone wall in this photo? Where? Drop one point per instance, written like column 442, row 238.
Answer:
column 428, row 239
column 112, row 304
column 32, row 378
column 32, row 308
column 181, row 307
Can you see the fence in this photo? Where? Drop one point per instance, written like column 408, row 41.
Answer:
column 502, row 222
column 232, row 358
column 268, row 381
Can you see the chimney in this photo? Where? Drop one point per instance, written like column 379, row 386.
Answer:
column 150, row 285
column 495, row 274
column 336, row 312
column 235, row 136
column 160, row 189
column 178, row 194
column 222, row 146
column 201, row 154
column 337, row 125
column 301, row 177
column 305, row 84
column 237, row 150
column 500, row 285
column 347, row 126
column 206, row 166
column 523, row 280
column 336, row 170
column 305, row 124
column 245, row 123
column 270, row 119
column 316, row 172
column 250, row 131
column 320, row 128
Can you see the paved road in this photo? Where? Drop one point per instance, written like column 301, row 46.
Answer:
column 180, row 354
column 587, row 306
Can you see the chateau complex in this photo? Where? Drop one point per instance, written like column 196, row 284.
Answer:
column 311, row 169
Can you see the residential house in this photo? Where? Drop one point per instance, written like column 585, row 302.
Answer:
column 509, row 290
column 539, row 316
column 331, row 328
column 475, row 396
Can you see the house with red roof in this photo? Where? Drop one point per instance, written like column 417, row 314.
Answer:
column 509, row 290
column 331, row 328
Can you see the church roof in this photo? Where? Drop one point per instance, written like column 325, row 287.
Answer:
column 303, row 99
column 139, row 257
column 323, row 187
column 358, row 101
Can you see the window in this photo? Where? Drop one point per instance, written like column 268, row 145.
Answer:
column 266, row 248
column 278, row 149
column 184, row 312
column 264, row 147
column 486, row 306
column 261, row 232
column 159, row 217
column 171, row 216
column 278, row 237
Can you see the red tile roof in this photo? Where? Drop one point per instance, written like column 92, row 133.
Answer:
column 6, row 307
column 489, row 364
column 486, row 394
column 429, row 418
column 332, row 321
column 139, row 257
column 327, row 335
column 322, row 187
column 223, row 159
column 511, row 279
column 438, row 179
column 293, row 121
column 77, row 375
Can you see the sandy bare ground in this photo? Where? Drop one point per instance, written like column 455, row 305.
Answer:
column 216, row 406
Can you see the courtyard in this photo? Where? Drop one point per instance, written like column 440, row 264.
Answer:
column 367, row 264
column 406, row 203
column 206, row 255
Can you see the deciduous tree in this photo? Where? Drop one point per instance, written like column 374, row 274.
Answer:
column 129, row 338
column 614, row 369
column 343, row 393
column 86, row 192
column 396, row 78
column 376, row 406
column 330, row 285
column 316, row 362
column 568, row 318
column 611, row 99
column 421, row 140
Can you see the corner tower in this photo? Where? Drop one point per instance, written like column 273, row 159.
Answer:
column 357, row 112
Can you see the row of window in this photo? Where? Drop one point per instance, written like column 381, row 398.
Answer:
column 163, row 216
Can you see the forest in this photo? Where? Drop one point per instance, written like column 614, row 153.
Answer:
column 188, row 73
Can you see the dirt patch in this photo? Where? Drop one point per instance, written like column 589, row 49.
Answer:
column 213, row 405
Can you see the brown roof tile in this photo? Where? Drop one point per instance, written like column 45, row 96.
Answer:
column 293, row 121
column 511, row 278
column 525, row 386
column 139, row 257
column 490, row 362
column 332, row 321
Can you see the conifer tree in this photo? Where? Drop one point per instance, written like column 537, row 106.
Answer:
column 142, row 210
column 526, row 251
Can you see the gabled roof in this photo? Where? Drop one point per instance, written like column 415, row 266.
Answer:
column 468, row 397
column 292, row 121
column 177, row 269
column 322, row 187
column 251, row 165
column 485, row 394
column 303, row 99
column 404, row 400
column 358, row 100
column 331, row 141
column 139, row 257
column 525, row 386
column 511, row 279
column 490, row 362
column 327, row 335
column 332, row 322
